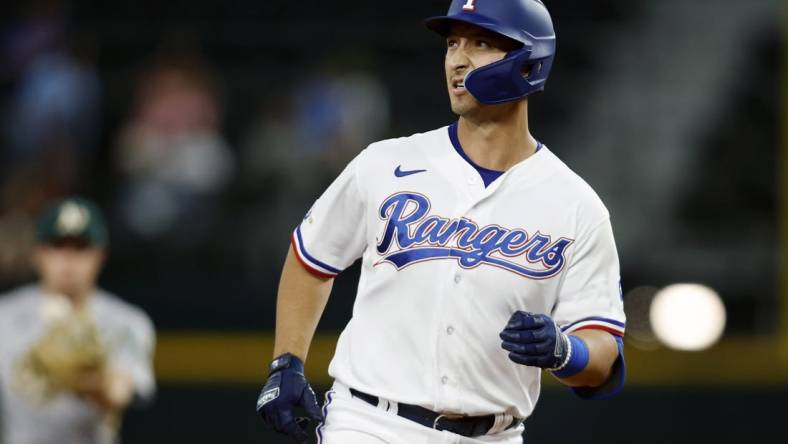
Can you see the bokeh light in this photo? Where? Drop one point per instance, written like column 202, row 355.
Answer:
column 637, row 305
column 688, row 316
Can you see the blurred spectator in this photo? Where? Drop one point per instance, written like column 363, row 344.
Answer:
column 329, row 119
column 339, row 115
column 297, row 150
column 51, row 111
column 172, row 156
column 49, row 125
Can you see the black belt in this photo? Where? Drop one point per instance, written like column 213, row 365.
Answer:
column 470, row 426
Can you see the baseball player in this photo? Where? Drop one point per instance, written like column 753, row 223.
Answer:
column 72, row 357
column 486, row 262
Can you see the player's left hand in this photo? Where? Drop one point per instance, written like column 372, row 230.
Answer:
column 535, row 340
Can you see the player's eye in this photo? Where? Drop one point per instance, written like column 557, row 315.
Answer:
column 451, row 43
column 483, row 44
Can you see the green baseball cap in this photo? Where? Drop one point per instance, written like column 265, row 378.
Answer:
column 72, row 218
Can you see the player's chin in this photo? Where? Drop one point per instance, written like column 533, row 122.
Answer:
column 463, row 107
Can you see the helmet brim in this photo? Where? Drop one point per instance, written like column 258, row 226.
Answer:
column 442, row 25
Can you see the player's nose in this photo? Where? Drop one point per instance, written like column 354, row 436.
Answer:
column 458, row 61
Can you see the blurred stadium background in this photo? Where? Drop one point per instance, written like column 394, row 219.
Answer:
column 206, row 129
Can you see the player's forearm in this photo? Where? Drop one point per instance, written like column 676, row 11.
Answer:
column 301, row 300
column 110, row 388
column 602, row 354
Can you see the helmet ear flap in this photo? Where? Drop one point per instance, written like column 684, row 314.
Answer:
column 531, row 69
column 508, row 80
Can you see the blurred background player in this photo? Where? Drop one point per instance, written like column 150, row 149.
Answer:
column 72, row 356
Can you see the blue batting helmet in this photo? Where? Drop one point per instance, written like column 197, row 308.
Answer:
column 524, row 70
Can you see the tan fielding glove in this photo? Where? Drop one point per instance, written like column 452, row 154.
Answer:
column 70, row 349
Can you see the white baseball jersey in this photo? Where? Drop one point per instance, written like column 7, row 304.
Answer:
column 445, row 263
column 129, row 338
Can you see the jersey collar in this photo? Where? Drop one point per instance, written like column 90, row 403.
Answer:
column 487, row 175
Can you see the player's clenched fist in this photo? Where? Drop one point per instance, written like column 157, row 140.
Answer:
column 535, row 340
column 286, row 389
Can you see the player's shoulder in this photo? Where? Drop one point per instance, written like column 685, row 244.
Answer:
column 18, row 298
column 396, row 147
column 122, row 311
column 575, row 192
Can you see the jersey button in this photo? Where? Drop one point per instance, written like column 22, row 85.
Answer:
column 457, row 278
column 449, row 330
column 445, row 380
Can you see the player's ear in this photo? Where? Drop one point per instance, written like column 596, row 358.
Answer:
column 35, row 257
column 101, row 257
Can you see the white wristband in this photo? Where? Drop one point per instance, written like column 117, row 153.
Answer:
column 568, row 353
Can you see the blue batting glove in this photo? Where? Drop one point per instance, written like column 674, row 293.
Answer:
column 286, row 389
column 535, row 340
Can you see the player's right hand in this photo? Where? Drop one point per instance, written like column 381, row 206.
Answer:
column 285, row 390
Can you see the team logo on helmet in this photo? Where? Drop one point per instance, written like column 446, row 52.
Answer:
column 470, row 6
column 421, row 238
column 72, row 219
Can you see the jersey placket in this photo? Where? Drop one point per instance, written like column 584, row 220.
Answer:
column 450, row 338
column 450, row 346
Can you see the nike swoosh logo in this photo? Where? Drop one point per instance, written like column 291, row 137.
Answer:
column 399, row 172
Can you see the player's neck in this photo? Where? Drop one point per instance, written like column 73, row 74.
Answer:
column 79, row 299
column 500, row 138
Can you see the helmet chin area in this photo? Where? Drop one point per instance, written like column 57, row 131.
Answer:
column 504, row 81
